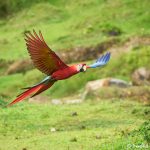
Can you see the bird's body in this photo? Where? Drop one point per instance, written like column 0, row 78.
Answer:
column 49, row 63
column 65, row 73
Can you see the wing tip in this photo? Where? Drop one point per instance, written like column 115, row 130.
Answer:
column 103, row 60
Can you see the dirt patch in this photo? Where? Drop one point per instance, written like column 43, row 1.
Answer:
column 86, row 53
column 114, row 45
column 39, row 99
column 141, row 76
column 128, row 45
column 20, row 66
column 4, row 65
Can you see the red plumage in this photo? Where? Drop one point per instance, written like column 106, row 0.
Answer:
column 65, row 73
column 43, row 57
column 25, row 94
column 35, row 89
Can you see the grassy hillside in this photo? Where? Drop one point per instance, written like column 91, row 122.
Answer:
column 72, row 24
column 98, row 125
column 119, row 69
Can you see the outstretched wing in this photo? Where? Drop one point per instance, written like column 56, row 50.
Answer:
column 103, row 60
column 42, row 56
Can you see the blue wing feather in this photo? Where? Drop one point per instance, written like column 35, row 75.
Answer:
column 101, row 61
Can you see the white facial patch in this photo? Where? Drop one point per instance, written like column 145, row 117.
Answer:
column 79, row 67
column 84, row 67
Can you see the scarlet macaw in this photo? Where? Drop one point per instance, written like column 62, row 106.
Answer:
column 49, row 63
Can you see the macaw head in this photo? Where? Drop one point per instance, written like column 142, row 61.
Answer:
column 81, row 67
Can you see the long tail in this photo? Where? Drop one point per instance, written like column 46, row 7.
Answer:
column 35, row 90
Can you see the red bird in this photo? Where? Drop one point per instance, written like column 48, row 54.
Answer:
column 49, row 63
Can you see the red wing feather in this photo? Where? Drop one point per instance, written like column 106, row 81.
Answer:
column 43, row 57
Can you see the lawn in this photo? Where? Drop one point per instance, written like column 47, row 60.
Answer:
column 95, row 125
column 72, row 23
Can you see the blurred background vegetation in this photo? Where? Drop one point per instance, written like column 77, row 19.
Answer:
column 78, row 31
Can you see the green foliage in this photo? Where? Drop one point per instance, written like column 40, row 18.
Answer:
column 2, row 103
column 110, row 30
column 141, row 135
column 9, row 7
column 145, row 131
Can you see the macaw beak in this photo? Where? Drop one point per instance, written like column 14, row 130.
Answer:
column 83, row 69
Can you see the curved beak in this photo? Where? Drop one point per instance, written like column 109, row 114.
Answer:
column 83, row 69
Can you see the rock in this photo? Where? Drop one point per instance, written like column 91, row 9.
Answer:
column 83, row 127
column 119, row 83
column 111, row 30
column 20, row 66
column 141, row 76
column 94, row 85
column 137, row 93
column 74, row 139
column 98, row 137
column 73, row 101
column 74, row 114
column 39, row 99
column 53, row 130
column 16, row 138
column 65, row 101
column 56, row 102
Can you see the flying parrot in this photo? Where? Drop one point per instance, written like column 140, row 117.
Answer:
column 50, row 64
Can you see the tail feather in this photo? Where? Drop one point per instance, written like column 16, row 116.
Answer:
column 35, row 90
column 25, row 94
column 43, row 88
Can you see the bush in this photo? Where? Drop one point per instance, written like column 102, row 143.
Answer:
column 2, row 103
column 145, row 131
column 110, row 30
column 8, row 7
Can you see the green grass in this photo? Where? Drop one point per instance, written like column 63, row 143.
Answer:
column 71, row 24
column 98, row 125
